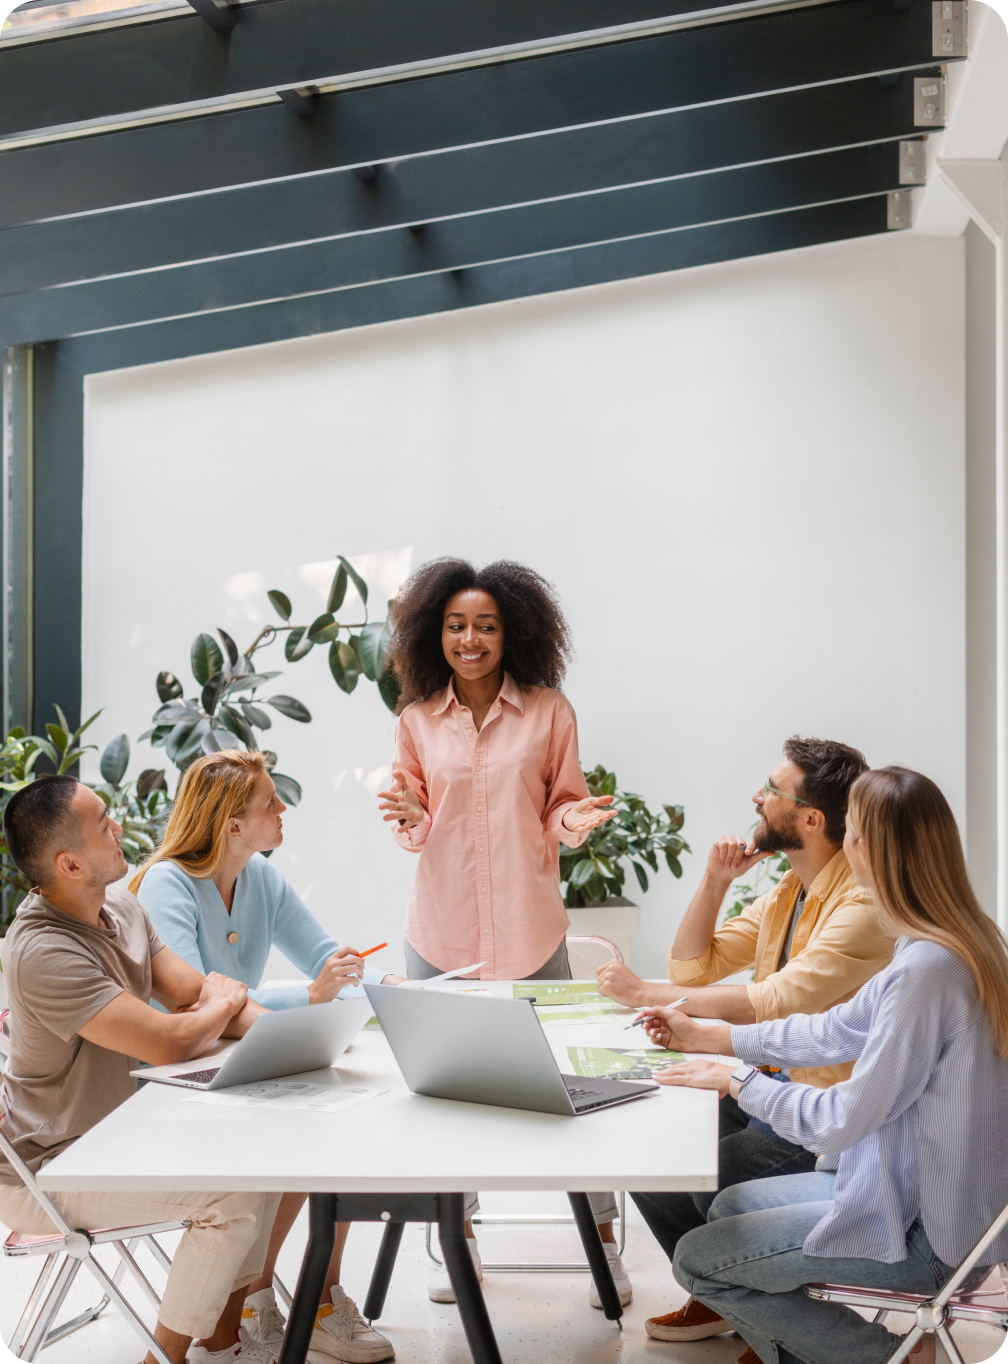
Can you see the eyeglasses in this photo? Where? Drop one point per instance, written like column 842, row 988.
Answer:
column 786, row 794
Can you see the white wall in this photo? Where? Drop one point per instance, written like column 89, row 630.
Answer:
column 747, row 482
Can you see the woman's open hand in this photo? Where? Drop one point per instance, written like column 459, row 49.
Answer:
column 403, row 804
column 588, row 814
column 342, row 968
column 696, row 1075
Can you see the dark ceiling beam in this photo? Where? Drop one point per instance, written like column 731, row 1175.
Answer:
column 372, row 126
column 178, row 62
column 477, row 179
column 455, row 244
column 217, row 13
column 508, row 280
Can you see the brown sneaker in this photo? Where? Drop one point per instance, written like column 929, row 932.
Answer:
column 692, row 1322
column 750, row 1357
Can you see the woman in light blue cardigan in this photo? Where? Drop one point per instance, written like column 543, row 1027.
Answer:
column 220, row 905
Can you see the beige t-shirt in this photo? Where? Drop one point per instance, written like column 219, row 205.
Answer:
column 60, row 973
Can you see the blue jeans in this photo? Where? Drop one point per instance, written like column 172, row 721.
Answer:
column 747, row 1265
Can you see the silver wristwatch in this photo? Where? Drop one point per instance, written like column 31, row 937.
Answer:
column 741, row 1076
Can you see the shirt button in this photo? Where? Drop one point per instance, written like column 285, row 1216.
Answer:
column 486, row 930
column 468, row 731
column 483, row 889
column 481, row 849
column 478, row 768
column 232, row 937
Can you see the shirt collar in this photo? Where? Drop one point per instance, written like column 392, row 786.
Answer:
column 509, row 692
column 828, row 880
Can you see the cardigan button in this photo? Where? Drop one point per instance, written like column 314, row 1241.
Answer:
column 232, row 937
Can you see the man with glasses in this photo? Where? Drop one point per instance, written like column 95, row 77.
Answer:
column 811, row 941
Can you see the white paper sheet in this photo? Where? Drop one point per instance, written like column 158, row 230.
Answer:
column 286, row 1094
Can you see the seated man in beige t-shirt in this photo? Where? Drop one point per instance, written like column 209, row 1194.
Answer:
column 81, row 962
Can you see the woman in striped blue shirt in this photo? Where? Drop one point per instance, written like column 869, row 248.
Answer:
column 911, row 1168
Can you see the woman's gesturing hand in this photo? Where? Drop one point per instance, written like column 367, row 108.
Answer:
column 588, row 814
column 403, row 804
column 696, row 1075
column 342, row 967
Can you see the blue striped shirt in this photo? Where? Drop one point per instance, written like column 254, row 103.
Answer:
column 919, row 1129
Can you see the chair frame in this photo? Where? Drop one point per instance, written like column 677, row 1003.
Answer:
column 933, row 1314
column 35, row 1329
column 545, row 1219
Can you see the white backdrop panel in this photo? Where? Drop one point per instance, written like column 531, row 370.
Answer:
column 745, row 480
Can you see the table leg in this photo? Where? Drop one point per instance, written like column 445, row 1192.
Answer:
column 596, row 1256
column 307, row 1295
column 462, row 1273
column 381, row 1275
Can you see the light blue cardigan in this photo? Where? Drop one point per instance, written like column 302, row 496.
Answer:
column 190, row 916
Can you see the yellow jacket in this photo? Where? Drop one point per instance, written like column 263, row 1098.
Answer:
column 838, row 945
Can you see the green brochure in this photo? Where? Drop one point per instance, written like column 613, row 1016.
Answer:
column 561, row 992
column 569, row 1015
column 621, row 1063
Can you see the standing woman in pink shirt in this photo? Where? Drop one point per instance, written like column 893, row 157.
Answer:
column 488, row 785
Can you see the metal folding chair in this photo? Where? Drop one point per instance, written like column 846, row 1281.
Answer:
column 586, row 953
column 35, row 1329
column 987, row 1302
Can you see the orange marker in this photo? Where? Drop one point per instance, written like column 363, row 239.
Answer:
column 373, row 949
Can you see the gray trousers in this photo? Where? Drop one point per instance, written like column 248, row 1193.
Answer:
column 603, row 1205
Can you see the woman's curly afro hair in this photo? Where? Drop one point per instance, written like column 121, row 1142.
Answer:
column 537, row 644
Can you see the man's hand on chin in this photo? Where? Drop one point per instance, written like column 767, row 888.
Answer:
column 618, row 982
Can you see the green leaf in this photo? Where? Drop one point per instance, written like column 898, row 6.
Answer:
column 115, row 760
column 323, row 628
column 609, row 784
column 355, row 578
column 179, row 737
column 389, row 689
column 281, row 603
column 62, row 718
column 237, row 724
column 344, row 665
column 59, row 736
column 206, row 658
column 674, row 865
column 337, row 591
column 291, row 707
column 168, row 686
column 212, row 692
column 210, row 741
column 641, row 876
column 173, row 712
column 249, row 682
column 582, row 873
column 288, row 789
column 677, row 817
column 255, row 716
column 151, row 779
column 230, row 646
column 297, row 644
column 384, row 645
column 367, row 649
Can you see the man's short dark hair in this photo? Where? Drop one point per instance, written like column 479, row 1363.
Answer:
column 829, row 770
column 38, row 823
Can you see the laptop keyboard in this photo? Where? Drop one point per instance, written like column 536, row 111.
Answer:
column 198, row 1077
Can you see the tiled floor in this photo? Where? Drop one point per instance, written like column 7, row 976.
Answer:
column 537, row 1317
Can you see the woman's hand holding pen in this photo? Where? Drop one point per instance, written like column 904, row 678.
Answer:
column 403, row 804
column 588, row 814
column 342, row 968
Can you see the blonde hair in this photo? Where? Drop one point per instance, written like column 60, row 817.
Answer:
column 214, row 789
column 922, row 888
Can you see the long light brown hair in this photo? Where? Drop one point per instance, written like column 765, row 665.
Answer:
column 922, row 889
column 214, row 789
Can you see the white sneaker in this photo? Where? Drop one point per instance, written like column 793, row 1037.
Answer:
column 439, row 1287
column 620, row 1278
column 261, row 1319
column 243, row 1351
column 342, row 1333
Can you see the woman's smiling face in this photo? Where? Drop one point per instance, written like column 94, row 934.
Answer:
column 472, row 635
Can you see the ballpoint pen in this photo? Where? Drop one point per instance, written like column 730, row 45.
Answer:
column 374, row 949
column 638, row 1021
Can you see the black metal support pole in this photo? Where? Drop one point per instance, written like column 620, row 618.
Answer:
column 462, row 1273
column 307, row 1295
column 596, row 1255
column 381, row 1275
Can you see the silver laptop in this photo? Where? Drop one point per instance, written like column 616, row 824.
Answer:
column 487, row 1051
column 286, row 1042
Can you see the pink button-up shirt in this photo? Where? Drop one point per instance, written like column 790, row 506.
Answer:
column 488, row 884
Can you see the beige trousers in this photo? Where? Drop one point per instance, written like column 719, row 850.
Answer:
column 223, row 1250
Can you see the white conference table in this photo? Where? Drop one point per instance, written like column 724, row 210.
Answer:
column 426, row 1151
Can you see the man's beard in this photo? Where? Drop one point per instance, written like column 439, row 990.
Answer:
column 105, row 876
column 772, row 838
